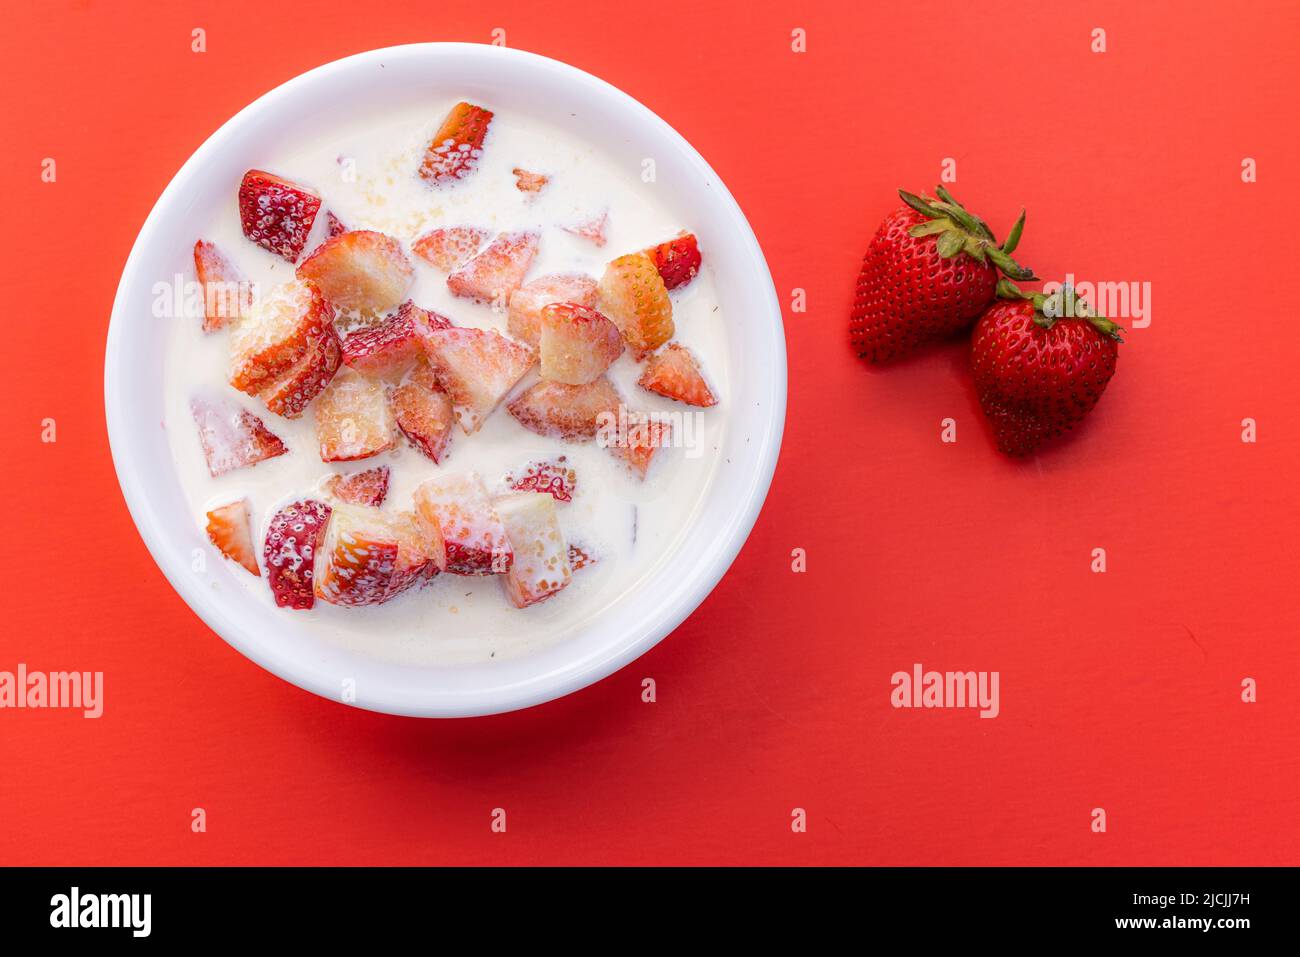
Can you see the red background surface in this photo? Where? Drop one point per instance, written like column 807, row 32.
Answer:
column 1119, row 691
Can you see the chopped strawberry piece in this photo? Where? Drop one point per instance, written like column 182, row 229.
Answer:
column 277, row 214
column 457, row 145
column 476, row 367
column 541, row 565
column 368, row 557
column 353, row 418
column 268, row 348
column 555, row 478
column 448, row 247
column 633, row 294
column 289, row 552
column 457, row 506
column 276, row 334
column 361, row 271
column 496, row 272
column 677, row 260
column 578, row 344
column 580, row 557
column 638, row 439
column 392, row 348
column 570, row 412
column 425, row 322
column 591, row 229
column 226, row 293
column 360, row 488
column 424, row 412
column 232, row 437
column 525, row 319
column 673, row 372
column 228, row 529
column 527, row 182
column 291, row 395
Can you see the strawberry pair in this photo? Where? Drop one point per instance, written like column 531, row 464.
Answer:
column 1040, row 362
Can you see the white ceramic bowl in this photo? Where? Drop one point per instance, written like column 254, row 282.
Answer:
column 532, row 85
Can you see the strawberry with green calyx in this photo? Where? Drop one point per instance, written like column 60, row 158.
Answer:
column 1041, row 363
column 962, row 231
column 931, row 269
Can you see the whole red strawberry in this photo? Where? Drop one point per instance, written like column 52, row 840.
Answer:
column 931, row 269
column 1041, row 363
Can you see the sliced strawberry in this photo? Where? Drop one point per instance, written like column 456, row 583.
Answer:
column 580, row 557
column 392, row 348
column 448, row 247
column 578, row 344
column 457, row 145
column 556, row 478
column 426, row 322
column 526, row 303
column 527, row 182
column 637, row 441
column 226, row 293
column 360, row 488
column 228, row 529
column 368, row 557
column 496, row 272
column 277, row 214
column 361, row 271
column 457, row 507
column 289, row 551
column 633, row 294
column 232, row 437
column 673, row 372
column 591, row 228
column 541, row 565
column 570, row 412
column 424, row 412
column 476, row 367
column 677, row 260
column 280, row 329
column 291, row 394
column 353, row 418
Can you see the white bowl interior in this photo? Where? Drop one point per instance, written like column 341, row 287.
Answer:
column 510, row 80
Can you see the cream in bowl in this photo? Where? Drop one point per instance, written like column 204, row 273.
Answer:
column 460, row 387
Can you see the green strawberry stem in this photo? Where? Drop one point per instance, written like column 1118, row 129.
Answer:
column 960, row 230
column 1059, row 305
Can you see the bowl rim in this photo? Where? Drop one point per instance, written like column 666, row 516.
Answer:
column 541, row 687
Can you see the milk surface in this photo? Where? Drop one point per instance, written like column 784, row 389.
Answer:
column 366, row 174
